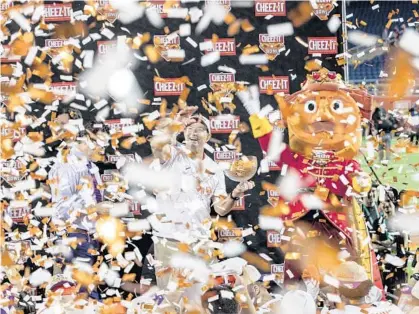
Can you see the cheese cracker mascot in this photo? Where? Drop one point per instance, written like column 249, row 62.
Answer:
column 324, row 127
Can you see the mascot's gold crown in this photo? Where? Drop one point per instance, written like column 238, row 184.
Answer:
column 324, row 76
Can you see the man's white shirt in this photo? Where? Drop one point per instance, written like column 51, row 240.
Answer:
column 65, row 177
column 187, row 205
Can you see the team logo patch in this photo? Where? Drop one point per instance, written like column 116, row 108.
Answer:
column 271, row 45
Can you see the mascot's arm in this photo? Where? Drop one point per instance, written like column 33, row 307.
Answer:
column 261, row 129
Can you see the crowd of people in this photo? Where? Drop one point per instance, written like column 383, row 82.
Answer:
column 81, row 267
column 386, row 125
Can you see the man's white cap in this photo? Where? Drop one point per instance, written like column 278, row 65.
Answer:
column 203, row 120
column 297, row 302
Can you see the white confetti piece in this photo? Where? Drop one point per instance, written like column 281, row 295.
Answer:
column 44, row 211
column 176, row 53
column 334, row 24
column 206, row 45
column 233, row 248
column 290, row 274
column 39, row 276
column 270, row 223
column 138, row 225
column 282, row 29
column 177, row 13
column 333, row 298
column 185, row 30
column 331, row 281
column 394, row 260
column 259, row 58
column 154, row 18
column 30, row 57
column 343, row 179
column 210, row 58
column 362, row 39
column 191, row 42
column 409, row 41
column 107, row 33
column 20, row 20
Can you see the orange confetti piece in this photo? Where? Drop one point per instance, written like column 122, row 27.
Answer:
column 246, row 26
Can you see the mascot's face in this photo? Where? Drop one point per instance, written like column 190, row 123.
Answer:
column 328, row 120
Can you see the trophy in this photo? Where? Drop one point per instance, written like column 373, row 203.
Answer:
column 242, row 169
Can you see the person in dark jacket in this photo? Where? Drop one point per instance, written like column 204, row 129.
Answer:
column 384, row 124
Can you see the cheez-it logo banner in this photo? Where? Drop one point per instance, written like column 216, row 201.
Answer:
column 4, row 5
column 57, row 12
column 162, row 7
column 274, row 84
column 273, row 238
column 225, row 3
column 220, row 156
column 105, row 45
column 270, row 7
column 322, row 45
column 168, row 86
column 225, row 46
column 166, row 42
column 6, row 55
column 63, row 89
column 224, row 123
column 271, row 45
column 323, row 8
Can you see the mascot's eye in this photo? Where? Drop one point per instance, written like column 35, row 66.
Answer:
column 310, row 106
column 337, row 105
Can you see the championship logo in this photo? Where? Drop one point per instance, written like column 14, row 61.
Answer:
column 104, row 46
column 168, row 86
column 231, row 234
column 162, row 7
column 117, row 125
column 57, row 12
column 64, row 89
column 274, row 84
column 225, row 46
column 225, row 3
column 164, row 43
column 270, row 7
column 322, row 45
column 271, row 45
column 106, row 10
column 322, row 8
column 7, row 56
column 273, row 238
column 224, row 123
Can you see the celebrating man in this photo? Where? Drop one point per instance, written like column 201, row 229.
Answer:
column 187, row 209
